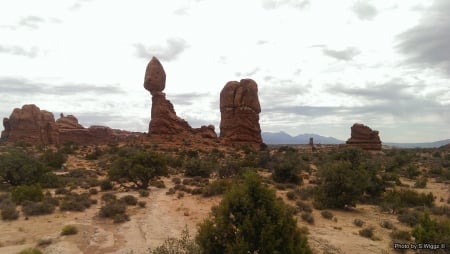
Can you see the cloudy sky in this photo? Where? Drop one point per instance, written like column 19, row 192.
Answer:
column 320, row 65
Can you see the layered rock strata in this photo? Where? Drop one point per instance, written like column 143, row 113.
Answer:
column 240, row 108
column 364, row 137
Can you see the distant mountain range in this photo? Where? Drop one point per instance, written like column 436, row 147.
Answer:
column 286, row 139
column 277, row 138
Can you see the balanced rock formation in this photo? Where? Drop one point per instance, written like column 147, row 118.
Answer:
column 240, row 108
column 30, row 125
column 364, row 137
column 164, row 120
column 68, row 122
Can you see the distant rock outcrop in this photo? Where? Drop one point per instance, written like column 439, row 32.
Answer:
column 164, row 119
column 34, row 126
column 364, row 137
column 240, row 108
column 31, row 125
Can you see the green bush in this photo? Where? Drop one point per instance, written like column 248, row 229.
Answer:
column 308, row 217
column 431, row 231
column 250, row 219
column 113, row 208
column 27, row 193
column 401, row 235
column 138, row 167
column 9, row 212
column 143, row 192
column 52, row 159
column 397, row 199
column 106, row 185
column 107, row 197
column 18, row 167
column 142, row 204
column 30, row 208
column 199, row 167
column 217, row 187
column 121, row 218
column 129, row 200
column 409, row 217
column 358, row 222
column 287, row 167
column 366, row 232
column 387, row 224
column 75, row 202
column 327, row 214
column 421, row 182
column 30, row 251
column 341, row 185
column 306, row 192
column 302, row 206
column 69, row 230
column 183, row 245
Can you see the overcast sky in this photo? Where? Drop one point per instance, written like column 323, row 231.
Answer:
column 320, row 65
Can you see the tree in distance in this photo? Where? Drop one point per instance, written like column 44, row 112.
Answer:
column 138, row 167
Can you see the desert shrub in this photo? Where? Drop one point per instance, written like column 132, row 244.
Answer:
column 421, row 182
column 197, row 191
column 291, row 195
column 138, row 167
column 31, row 208
column 18, row 167
column 94, row 155
column 112, row 208
column 229, row 168
column 75, row 202
column 176, row 180
column 366, row 232
column 69, row 147
column 171, row 191
column 9, row 212
column 341, row 185
column 199, row 167
column 27, row 193
column 158, row 184
column 327, row 214
column 302, row 206
column 401, row 235
column 143, row 192
column 397, row 199
column 431, row 231
column 106, row 185
column 358, row 222
column 308, row 217
column 142, row 204
column 69, row 230
column 306, row 192
column 441, row 210
column 121, row 218
column 50, row 200
column 409, row 217
column 185, row 244
column 129, row 199
column 93, row 191
column 217, row 187
column 391, row 177
column 107, row 197
column 287, row 167
column 53, row 159
column 61, row 191
column 30, row 251
column 250, row 219
column 412, row 171
column 387, row 224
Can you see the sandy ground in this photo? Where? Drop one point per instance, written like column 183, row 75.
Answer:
column 166, row 216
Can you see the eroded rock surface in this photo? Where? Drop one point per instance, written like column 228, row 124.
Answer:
column 240, row 108
column 364, row 137
column 31, row 125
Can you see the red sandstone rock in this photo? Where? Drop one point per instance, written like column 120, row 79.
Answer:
column 364, row 137
column 206, row 131
column 68, row 122
column 240, row 108
column 164, row 120
column 31, row 125
column 155, row 77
